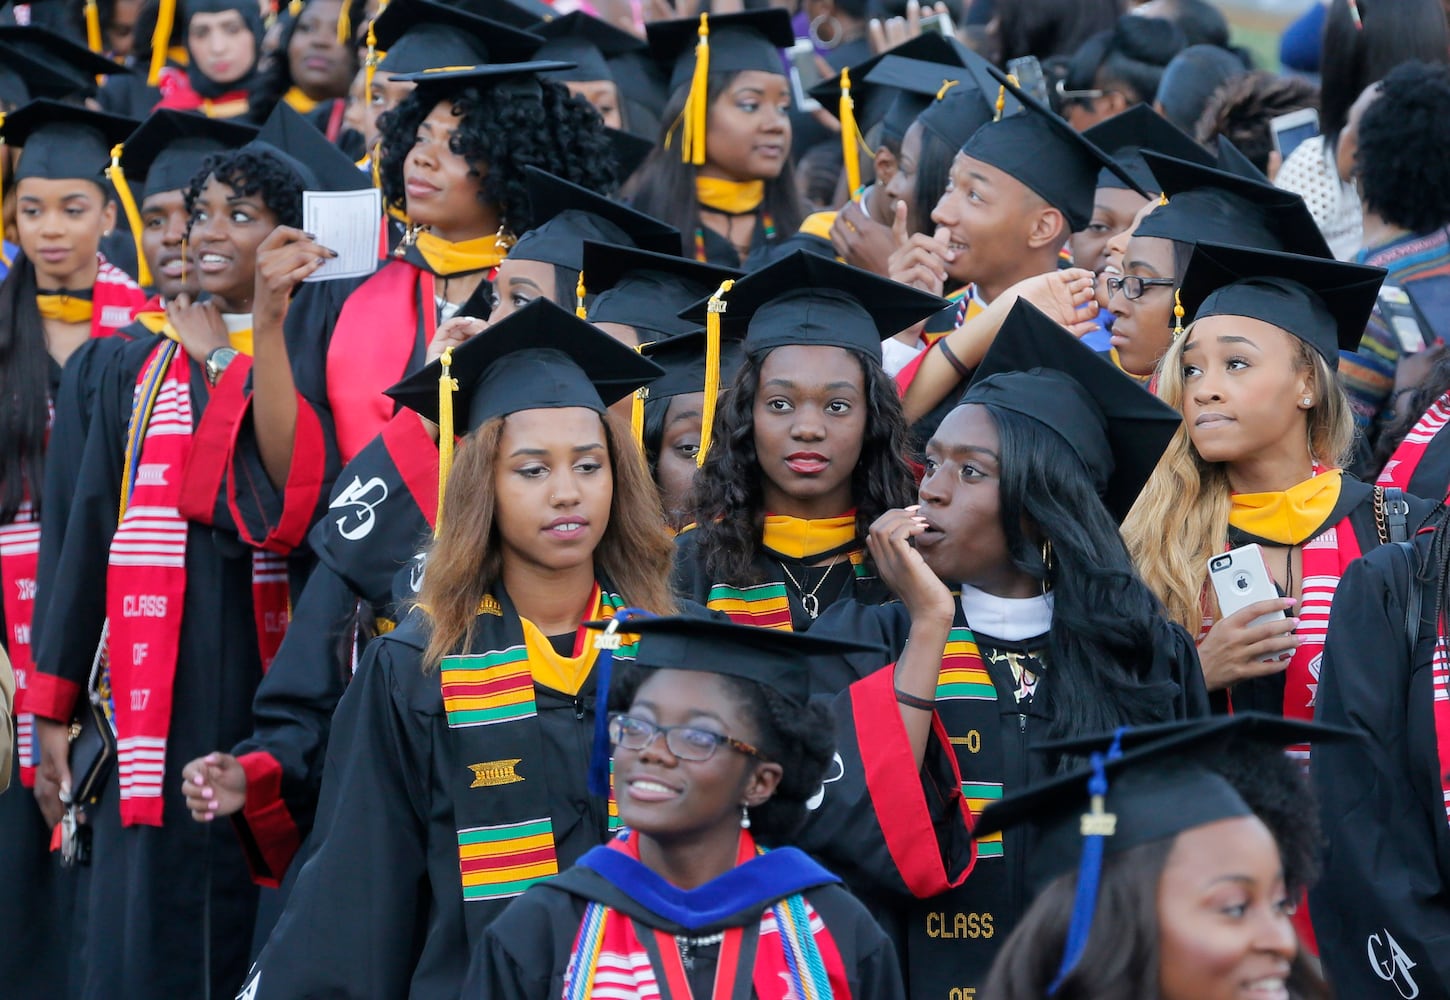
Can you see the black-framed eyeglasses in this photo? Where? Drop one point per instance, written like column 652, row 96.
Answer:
column 685, row 742
column 1132, row 286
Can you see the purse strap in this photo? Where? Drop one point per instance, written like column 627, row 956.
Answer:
column 1414, row 597
column 1391, row 514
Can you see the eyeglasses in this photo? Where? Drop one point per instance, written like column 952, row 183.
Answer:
column 1078, row 96
column 1132, row 286
column 685, row 742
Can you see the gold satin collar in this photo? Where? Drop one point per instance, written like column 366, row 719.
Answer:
column 65, row 308
column 232, row 108
column 444, row 258
column 298, row 101
column 1289, row 517
column 156, row 322
column 562, row 673
column 730, row 197
column 800, row 538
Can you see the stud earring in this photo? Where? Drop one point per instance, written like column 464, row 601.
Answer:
column 1308, row 402
column 745, row 817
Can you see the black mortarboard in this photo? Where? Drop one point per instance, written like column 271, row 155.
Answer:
column 683, row 359
column 60, row 56
column 1125, row 136
column 524, row 14
column 1045, row 153
column 643, row 85
column 23, row 79
column 165, row 153
column 1324, row 302
column 64, row 140
column 566, row 214
column 750, row 40
column 808, row 299
column 1129, row 797
column 958, row 101
column 513, row 78
column 779, row 660
column 874, row 95
column 1233, row 160
column 318, row 163
column 418, row 35
column 630, row 151
column 1039, row 370
column 541, row 357
column 585, row 41
column 646, row 290
column 1206, row 203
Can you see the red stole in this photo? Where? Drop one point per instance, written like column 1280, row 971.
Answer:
column 1400, row 469
column 19, row 560
column 115, row 299
column 372, row 345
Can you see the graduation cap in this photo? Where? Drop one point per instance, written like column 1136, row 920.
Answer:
column 720, row 43
column 1125, row 136
column 644, row 88
column 874, row 95
column 420, row 35
column 23, row 79
column 587, row 42
column 808, row 299
column 683, row 359
column 776, row 659
column 318, row 164
column 63, row 140
column 1042, row 151
column 57, row 56
column 1125, row 798
column 1323, row 302
column 1232, row 160
column 164, row 154
column 950, row 101
column 540, row 357
column 646, row 290
column 1037, row 369
column 1206, row 203
column 630, row 151
column 525, row 14
column 566, row 214
column 521, row 79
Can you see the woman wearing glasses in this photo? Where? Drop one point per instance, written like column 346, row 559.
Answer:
column 1199, row 203
column 718, row 754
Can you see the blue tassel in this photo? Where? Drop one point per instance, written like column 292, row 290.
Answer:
column 1098, row 825
column 601, row 752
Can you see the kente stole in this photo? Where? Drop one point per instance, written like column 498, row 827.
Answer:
column 766, row 605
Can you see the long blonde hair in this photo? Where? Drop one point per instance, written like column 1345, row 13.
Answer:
column 1181, row 517
column 465, row 561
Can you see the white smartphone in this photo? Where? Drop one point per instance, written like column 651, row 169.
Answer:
column 1289, row 130
column 805, row 73
column 939, row 23
column 1240, row 577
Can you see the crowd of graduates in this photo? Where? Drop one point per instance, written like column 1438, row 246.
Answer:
column 810, row 500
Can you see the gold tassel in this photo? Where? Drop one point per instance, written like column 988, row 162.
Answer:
column 1002, row 97
column 370, row 66
column 712, row 366
column 93, row 28
column 1162, row 198
column 133, row 214
column 850, row 137
column 945, row 86
column 1177, row 315
column 579, row 309
column 447, row 386
column 636, row 409
column 697, row 104
column 161, row 40
column 344, row 24
column 294, row 9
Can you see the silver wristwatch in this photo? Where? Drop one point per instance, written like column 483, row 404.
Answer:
column 216, row 363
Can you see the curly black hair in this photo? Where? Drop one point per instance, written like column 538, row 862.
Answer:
column 1404, row 139
column 500, row 134
column 801, row 740
column 1273, row 785
column 249, row 172
column 729, row 498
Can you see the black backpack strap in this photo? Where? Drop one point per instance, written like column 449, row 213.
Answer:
column 1414, row 596
column 1397, row 514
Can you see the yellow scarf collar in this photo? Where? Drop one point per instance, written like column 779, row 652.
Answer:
column 562, row 673
column 799, row 538
column 298, row 101
column 156, row 322
column 234, row 108
column 1289, row 517
column 65, row 308
column 730, row 197
column 444, row 258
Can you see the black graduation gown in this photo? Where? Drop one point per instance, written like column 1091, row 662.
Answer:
column 1357, row 505
column 385, row 867
column 1381, row 909
column 367, row 549
column 947, row 942
column 523, row 955
column 169, row 909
